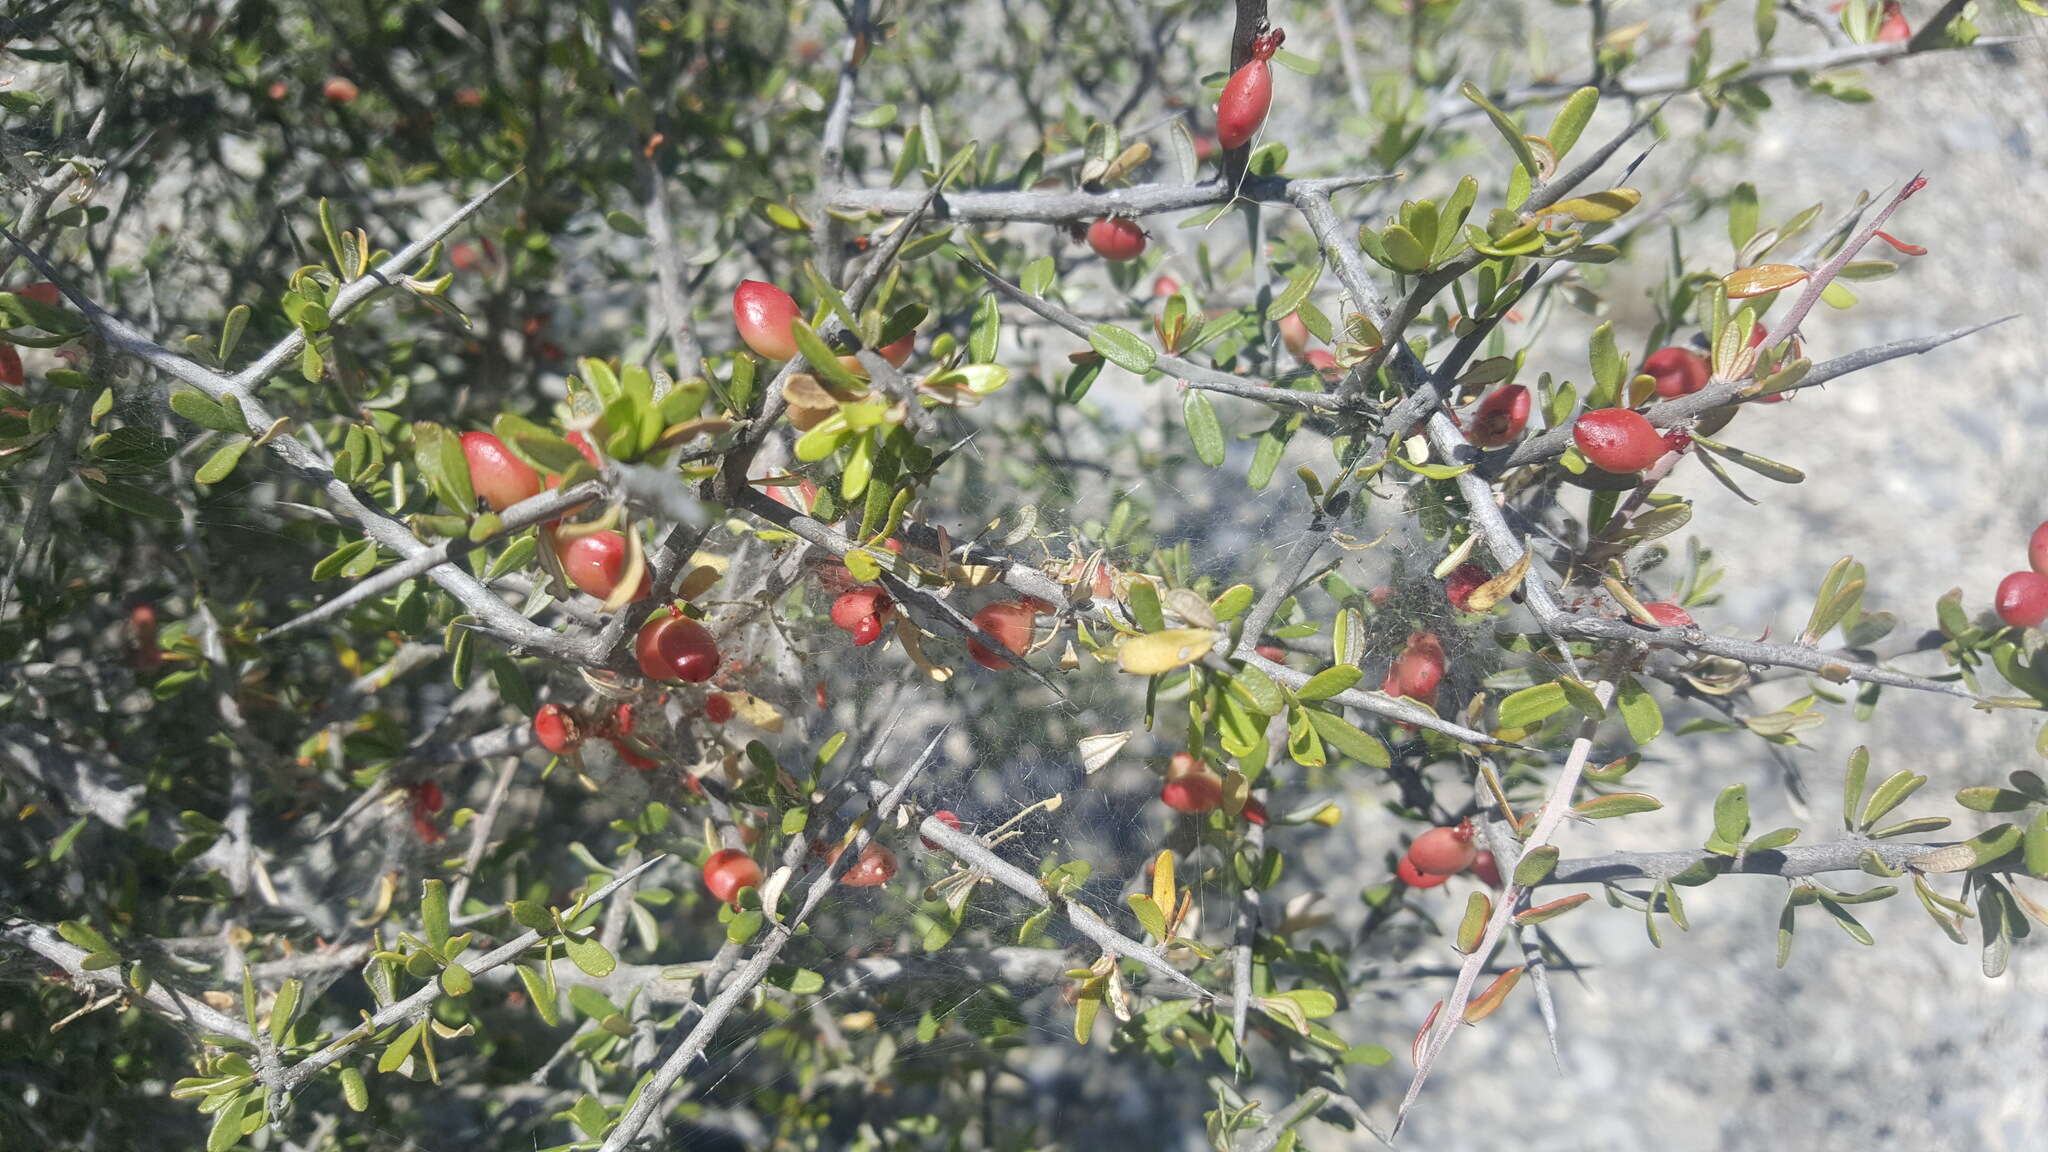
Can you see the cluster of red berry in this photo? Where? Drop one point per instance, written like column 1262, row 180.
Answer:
column 1441, row 853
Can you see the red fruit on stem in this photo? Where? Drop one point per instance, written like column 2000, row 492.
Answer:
column 278, row 90
column 1009, row 621
column 764, row 314
column 1464, row 580
column 1415, row 877
column 1324, row 362
column 426, row 798
column 1895, row 29
column 42, row 292
column 142, row 643
column 1254, row 811
column 899, row 352
column 728, row 871
column 676, row 648
column 2023, row 599
column 1116, row 239
column 596, row 561
column 468, row 98
column 1418, row 670
column 1294, row 333
column 2037, row 549
column 582, row 444
column 946, row 817
column 1248, row 94
column 556, row 728
column 1669, row 615
column 1500, row 417
column 867, row 631
column 1677, row 371
column 11, row 373
column 1165, row 286
column 1194, row 794
column 717, row 708
column 339, row 90
column 856, row 606
column 876, row 865
column 1185, row 764
column 1487, row 869
column 1618, row 440
column 1273, row 652
column 1444, row 851
column 499, row 478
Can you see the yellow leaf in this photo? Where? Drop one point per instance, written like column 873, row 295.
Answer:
column 1159, row 652
column 1162, row 880
column 1500, row 587
column 1764, row 278
column 1600, row 206
column 755, row 711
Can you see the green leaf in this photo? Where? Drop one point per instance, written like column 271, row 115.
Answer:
column 823, row 360
column 204, row 412
column 1531, row 706
column 744, row 925
column 1203, row 427
column 1991, row 800
column 1258, row 691
column 590, row 956
column 1513, row 135
column 1852, row 786
column 456, row 981
column 986, row 331
column 1145, row 607
column 1535, row 866
column 1329, row 682
column 1571, row 120
column 1349, row 739
column 1639, row 711
column 2036, row 845
column 1232, row 602
column 1123, row 348
column 434, row 912
column 282, row 1006
column 222, row 463
column 1731, row 815
column 133, row 498
column 354, row 1090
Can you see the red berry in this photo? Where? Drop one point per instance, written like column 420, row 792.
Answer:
column 556, row 728
column 1415, row 877
column 1194, row 794
column 499, row 478
column 1444, row 851
column 875, row 866
column 1894, row 30
column 1323, row 362
column 11, row 373
column 1418, row 670
column 1185, row 764
column 1247, row 94
column 1678, row 371
column 596, row 562
column 1165, row 286
column 582, row 444
column 899, row 352
column 339, row 90
column 946, row 817
column 1462, row 582
column 1254, row 811
column 764, row 315
column 42, row 292
column 1116, row 239
column 1500, row 417
column 717, row 708
column 1487, row 869
column 1669, row 615
column 1273, row 652
column 859, row 605
column 676, row 648
column 727, row 872
column 2023, row 599
column 2037, row 550
column 867, row 631
column 1618, row 440
column 426, row 798
column 1294, row 333
column 1009, row 621
column 627, row 753
column 142, row 642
